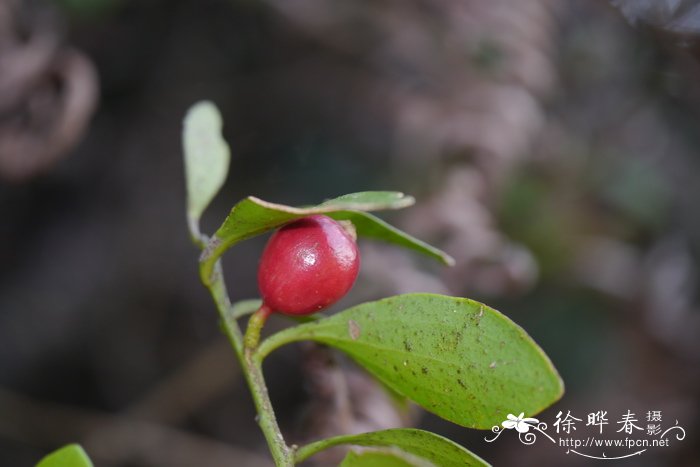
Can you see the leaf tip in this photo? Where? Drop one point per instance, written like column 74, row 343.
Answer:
column 448, row 260
column 406, row 200
column 203, row 107
column 71, row 454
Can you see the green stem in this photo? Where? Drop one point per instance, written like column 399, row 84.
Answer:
column 252, row 369
column 255, row 324
column 196, row 235
column 218, row 291
column 287, row 336
column 281, row 453
column 244, row 307
column 310, row 449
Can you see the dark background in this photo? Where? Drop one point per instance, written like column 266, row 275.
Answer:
column 552, row 147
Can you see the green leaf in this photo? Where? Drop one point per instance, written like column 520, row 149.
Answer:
column 71, row 455
column 370, row 226
column 389, row 457
column 370, row 201
column 424, row 444
column 207, row 157
column 457, row 358
column 253, row 216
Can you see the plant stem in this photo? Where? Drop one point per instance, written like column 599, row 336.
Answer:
column 281, row 453
column 244, row 307
column 255, row 324
column 197, row 237
column 310, row 449
column 279, row 339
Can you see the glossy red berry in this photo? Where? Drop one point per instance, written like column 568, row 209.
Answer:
column 307, row 265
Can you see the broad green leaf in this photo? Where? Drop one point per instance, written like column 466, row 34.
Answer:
column 388, row 457
column 72, row 455
column 457, row 358
column 424, row 444
column 253, row 216
column 207, row 157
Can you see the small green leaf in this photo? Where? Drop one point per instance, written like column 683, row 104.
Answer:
column 72, row 455
column 370, row 201
column 207, row 157
column 388, row 457
column 253, row 216
column 370, row 226
column 457, row 358
column 424, row 444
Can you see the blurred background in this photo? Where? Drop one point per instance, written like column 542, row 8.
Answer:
column 553, row 148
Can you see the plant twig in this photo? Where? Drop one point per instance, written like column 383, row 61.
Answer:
column 255, row 325
column 252, row 369
column 269, row 344
column 310, row 449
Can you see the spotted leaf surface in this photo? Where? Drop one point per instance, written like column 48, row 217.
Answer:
column 456, row 357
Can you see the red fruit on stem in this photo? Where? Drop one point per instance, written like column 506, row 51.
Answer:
column 307, row 265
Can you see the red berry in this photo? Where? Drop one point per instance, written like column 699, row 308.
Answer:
column 307, row 265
